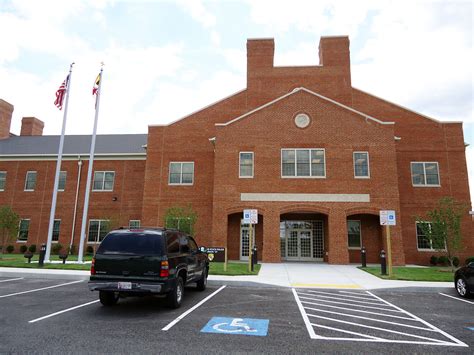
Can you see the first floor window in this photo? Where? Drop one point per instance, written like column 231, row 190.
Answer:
column 23, row 229
column 361, row 164
column 98, row 229
column 181, row 173
column 353, row 234
column 424, row 242
column 30, row 181
column 303, row 163
column 56, row 225
column 134, row 224
column 62, row 180
column 103, row 181
column 424, row 174
column 3, row 180
column 246, row 164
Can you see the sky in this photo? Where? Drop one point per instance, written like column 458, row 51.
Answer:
column 166, row 59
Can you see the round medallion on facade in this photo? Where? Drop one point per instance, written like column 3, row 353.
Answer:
column 302, row 120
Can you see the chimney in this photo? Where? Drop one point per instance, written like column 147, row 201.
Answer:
column 6, row 111
column 334, row 52
column 260, row 53
column 31, row 126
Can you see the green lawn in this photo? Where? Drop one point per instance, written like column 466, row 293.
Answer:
column 414, row 273
column 233, row 269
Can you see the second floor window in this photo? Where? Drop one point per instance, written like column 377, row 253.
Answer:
column 3, row 180
column 424, row 174
column 246, row 165
column 62, row 180
column 103, row 181
column 303, row 163
column 30, row 181
column 23, row 230
column 181, row 173
column 361, row 165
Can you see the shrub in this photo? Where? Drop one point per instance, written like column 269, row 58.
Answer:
column 10, row 249
column 455, row 261
column 433, row 260
column 443, row 260
column 32, row 248
column 470, row 260
column 56, row 248
column 90, row 249
column 23, row 249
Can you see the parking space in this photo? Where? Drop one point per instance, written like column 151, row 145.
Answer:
column 68, row 318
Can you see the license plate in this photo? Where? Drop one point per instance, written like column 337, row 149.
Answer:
column 125, row 285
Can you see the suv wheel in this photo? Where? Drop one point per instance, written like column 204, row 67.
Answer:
column 461, row 287
column 202, row 283
column 176, row 295
column 108, row 298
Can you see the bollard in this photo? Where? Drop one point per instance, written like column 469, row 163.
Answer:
column 383, row 263
column 254, row 257
column 42, row 255
column 363, row 257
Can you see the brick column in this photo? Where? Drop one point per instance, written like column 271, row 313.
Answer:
column 271, row 237
column 338, row 252
column 219, row 227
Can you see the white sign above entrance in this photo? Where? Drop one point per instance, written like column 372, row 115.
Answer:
column 387, row 218
column 250, row 216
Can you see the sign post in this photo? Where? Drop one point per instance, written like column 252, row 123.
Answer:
column 251, row 218
column 387, row 219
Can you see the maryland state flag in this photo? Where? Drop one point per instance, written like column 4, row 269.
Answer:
column 95, row 89
column 61, row 93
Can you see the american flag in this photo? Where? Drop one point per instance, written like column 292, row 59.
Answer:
column 60, row 93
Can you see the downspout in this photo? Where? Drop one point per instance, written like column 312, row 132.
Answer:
column 79, row 168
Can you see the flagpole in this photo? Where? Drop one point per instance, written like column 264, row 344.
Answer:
column 89, row 173
column 58, row 170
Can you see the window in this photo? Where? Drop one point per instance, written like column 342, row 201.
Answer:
column 246, row 165
column 353, row 234
column 134, row 224
column 423, row 241
column 181, row 173
column 103, row 181
column 361, row 165
column 303, row 163
column 3, row 180
column 23, row 230
column 30, row 182
column 97, row 230
column 424, row 174
column 172, row 243
column 56, row 225
column 62, row 180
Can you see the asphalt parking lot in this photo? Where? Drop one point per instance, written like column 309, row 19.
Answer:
column 41, row 315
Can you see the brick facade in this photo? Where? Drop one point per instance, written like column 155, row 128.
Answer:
column 261, row 119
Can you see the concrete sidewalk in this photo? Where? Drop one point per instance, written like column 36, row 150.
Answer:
column 317, row 275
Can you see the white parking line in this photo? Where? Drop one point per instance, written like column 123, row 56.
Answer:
column 63, row 311
column 456, row 298
column 18, row 278
column 332, row 294
column 350, row 304
column 343, row 299
column 172, row 323
column 39, row 289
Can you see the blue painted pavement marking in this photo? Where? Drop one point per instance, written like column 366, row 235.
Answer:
column 238, row 326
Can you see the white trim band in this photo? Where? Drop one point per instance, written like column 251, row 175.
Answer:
column 286, row 197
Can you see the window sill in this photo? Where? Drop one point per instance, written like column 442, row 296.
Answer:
column 303, row 177
column 180, row 184
column 354, row 248
column 362, row 177
column 426, row 185
column 22, row 241
column 101, row 190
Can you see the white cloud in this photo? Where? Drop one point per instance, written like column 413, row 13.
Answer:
column 198, row 12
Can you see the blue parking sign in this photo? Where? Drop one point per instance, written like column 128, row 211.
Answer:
column 237, row 326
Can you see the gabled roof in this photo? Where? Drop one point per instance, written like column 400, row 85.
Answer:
column 309, row 92
column 107, row 144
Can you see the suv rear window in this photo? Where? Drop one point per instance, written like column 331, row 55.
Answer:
column 132, row 244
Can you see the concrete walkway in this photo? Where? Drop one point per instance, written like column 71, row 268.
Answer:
column 317, row 275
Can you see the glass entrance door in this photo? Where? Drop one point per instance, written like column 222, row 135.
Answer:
column 299, row 244
column 244, row 241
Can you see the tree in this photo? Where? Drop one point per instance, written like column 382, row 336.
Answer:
column 442, row 226
column 181, row 218
column 9, row 225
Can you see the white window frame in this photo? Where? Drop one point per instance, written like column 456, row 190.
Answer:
column 180, row 174
column 103, row 181
column 65, row 180
column 253, row 165
column 424, row 172
column 134, row 220
column 19, row 225
column 360, row 232
column 354, row 164
column 431, row 249
column 310, row 165
column 26, row 179
column 96, row 240
column 59, row 231
column 5, row 180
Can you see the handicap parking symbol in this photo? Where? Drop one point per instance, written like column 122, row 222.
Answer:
column 238, row 326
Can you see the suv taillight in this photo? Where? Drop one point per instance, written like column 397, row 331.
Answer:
column 164, row 272
column 93, row 267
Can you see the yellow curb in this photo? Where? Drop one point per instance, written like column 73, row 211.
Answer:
column 327, row 285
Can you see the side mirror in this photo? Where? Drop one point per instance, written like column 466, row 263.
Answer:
column 202, row 249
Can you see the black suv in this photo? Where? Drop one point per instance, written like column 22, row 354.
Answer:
column 139, row 262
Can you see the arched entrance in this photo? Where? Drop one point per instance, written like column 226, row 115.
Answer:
column 238, row 237
column 302, row 236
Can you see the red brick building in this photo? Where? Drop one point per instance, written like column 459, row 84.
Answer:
column 315, row 156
